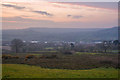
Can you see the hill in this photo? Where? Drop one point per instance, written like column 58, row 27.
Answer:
column 61, row 34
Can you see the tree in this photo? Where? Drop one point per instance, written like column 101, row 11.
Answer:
column 16, row 45
column 72, row 45
column 117, row 45
column 116, row 42
column 105, row 45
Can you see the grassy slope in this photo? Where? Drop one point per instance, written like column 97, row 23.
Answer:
column 26, row 71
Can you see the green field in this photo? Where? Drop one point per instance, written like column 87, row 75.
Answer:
column 79, row 53
column 26, row 71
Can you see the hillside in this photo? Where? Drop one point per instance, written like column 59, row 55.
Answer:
column 61, row 34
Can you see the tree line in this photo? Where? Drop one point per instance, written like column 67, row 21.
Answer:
column 18, row 46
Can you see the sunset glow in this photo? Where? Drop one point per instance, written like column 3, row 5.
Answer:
column 57, row 15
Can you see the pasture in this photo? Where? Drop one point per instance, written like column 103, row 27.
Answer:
column 27, row 71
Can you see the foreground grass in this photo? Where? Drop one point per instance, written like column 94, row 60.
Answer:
column 26, row 71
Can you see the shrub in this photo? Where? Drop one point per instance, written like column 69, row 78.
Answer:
column 6, row 56
column 106, row 62
column 29, row 57
column 42, row 56
column 49, row 56
column 15, row 57
column 52, row 56
column 68, row 52
column 9, row 57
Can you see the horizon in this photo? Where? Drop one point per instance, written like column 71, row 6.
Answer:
column 57, row 28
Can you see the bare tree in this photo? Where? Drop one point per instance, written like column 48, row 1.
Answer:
column 72, row 46
column 16, row 45
column 105, row 46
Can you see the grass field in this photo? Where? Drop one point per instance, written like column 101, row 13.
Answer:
column 26, row 71
column 79, row 53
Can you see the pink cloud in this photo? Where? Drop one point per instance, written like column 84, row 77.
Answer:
column 83, row 5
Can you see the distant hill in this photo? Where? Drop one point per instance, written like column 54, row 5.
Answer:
column 61, row 34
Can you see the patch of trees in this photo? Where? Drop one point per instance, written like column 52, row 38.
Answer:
column 18, row 46
column 104, row 47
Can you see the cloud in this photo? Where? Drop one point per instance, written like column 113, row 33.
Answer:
column 75, row 16
column 43, row 13
column 69, row 15
column 19, row 7
column 13, row 6
column 100, row 5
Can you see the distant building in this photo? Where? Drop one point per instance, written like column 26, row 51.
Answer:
column 34, row 41
column 24, row 41
column 71, row 42
column 46, row 42
column 6, row 47
column 6, row 43
column 98, row 42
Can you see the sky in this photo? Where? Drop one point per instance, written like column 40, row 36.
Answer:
column 44, row 14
